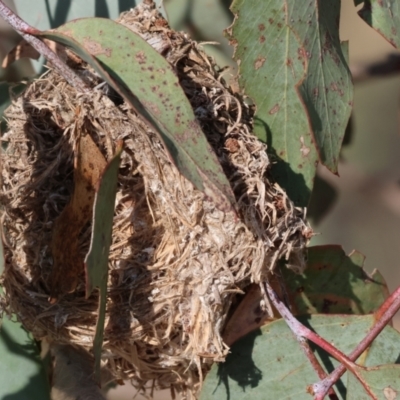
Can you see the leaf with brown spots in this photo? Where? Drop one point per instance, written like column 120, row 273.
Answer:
column 292, row 64
column 67, row 262
column 384, row 17
column 149, row 84
column 334, row 283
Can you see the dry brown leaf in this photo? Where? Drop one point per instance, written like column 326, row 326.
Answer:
column 67, row 262
column 247, row 317
column 253, row 312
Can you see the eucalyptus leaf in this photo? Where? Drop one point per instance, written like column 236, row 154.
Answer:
column 293, row 66
column 334, row 283
column 384, row 17
column 383, row 382
column 96, row 262
column 148, row 82
column 269, row 363
column 22, row 374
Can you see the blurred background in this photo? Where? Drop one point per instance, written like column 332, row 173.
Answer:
column 364, row 201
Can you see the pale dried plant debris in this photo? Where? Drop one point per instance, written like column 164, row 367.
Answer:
column 176, row 261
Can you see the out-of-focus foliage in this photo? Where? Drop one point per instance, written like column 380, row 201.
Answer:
column 22, row 374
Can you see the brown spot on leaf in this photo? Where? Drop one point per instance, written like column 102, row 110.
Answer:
column 262, row 39
column 326, row 305
column 152, row 107
column 390, row 393
column 261, row 27
column 304, row 149
column 140, row 57
column 259, row 62
column 95, row 48
column 274, row 109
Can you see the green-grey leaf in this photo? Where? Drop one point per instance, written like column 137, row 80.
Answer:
column 383, row 382
column 269, row 363
column 327, row 90
column 292, row 65
column 384, row 17
column 96, row 262
column 334, row 283
column 22, row 375
column 270, row 71
column 148, row 82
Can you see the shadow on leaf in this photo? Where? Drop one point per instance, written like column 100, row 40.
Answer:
column 281, row 171
column 239, row 365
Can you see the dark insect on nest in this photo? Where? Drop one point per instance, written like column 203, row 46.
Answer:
column 176, row 261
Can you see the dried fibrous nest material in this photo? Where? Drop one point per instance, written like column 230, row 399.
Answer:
column 176, row 261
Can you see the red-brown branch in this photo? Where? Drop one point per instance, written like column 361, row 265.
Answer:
column 301, row 332
column 383, row 316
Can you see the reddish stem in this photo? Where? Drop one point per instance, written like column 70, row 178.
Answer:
column 293, row 324
column 383, row 316
column 26, row 31
column 301, row 332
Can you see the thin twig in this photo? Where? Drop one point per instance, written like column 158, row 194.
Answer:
column 27, row 32
column 383, row 316
column 285, row 313
column 300, row 331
